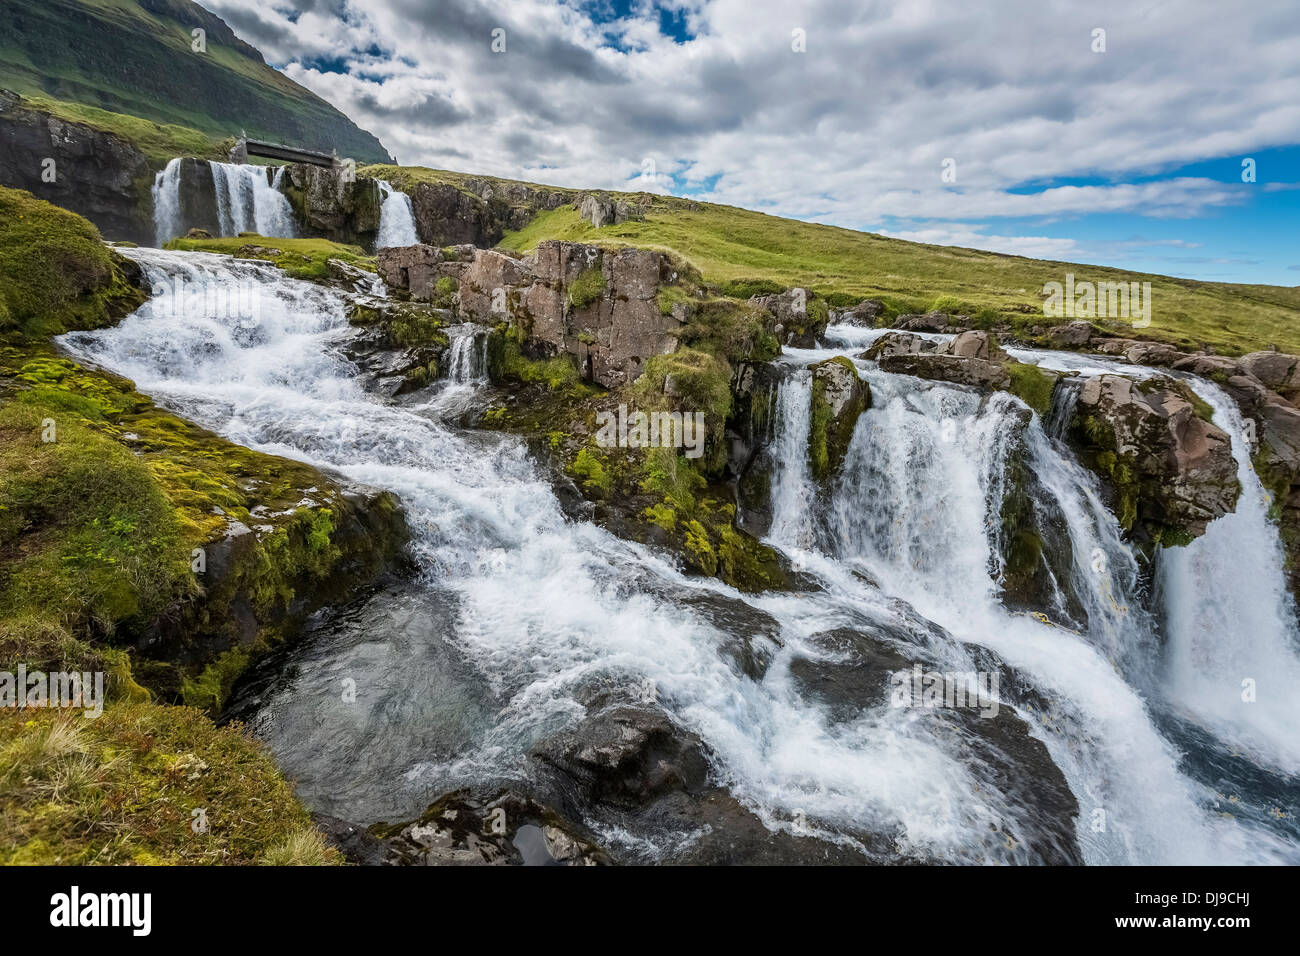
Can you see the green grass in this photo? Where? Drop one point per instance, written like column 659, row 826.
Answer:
column 741, row 252
column 1032, row 386
column 145, row 784
column 56, row 274
column 299, row 258
column 158, row 141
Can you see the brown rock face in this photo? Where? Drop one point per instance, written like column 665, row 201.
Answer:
column 973, row 345
column 897, row 343
column 1171, row 470
column 412, row 269
column 600, row 306
column 1277, row 370
column 799, row 320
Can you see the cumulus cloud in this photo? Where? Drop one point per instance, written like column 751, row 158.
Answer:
column 854, row 130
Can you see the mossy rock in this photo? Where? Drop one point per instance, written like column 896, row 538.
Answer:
column 839, row 397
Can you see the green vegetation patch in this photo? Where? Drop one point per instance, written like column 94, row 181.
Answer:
column 145, row 784
column 56, row 274
column 299, row 258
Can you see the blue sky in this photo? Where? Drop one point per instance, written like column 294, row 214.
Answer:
column 846, row 111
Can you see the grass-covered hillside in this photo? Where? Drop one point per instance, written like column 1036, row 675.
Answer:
column 104, row 498
column 741, row 251
column 159, row 142
column 134, row 57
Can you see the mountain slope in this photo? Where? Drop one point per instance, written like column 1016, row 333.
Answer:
column 135, row 57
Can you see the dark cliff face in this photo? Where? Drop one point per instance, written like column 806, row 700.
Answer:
column 95, row 174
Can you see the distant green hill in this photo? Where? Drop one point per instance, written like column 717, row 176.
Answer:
column 134, row 57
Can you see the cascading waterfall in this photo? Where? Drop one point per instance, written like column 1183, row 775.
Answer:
column 467, row 354
column 248, row 202
column 915, row 509
column 167, row 203
column 534, row 607
column 1231, row 620
column 396, row 218
column 248, row 199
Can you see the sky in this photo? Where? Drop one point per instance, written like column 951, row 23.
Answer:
column 1169, row 142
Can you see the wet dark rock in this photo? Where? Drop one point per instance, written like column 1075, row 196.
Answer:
column 855, row 676
column 97, row 174
column 358, row 845
column 626, row 755
column 477, row 828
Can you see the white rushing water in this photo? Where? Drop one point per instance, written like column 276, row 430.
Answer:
column 248, row 199
column 396, row 218
column 542, row 605
column 1231, row 620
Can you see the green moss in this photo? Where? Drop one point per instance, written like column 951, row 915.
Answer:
column 698, row 549
column 669, row 296
column 829, row 436
column 559, row 374
column 590, row 470
column 56, row 274
column 661, row 515
column 818, row 430
column 587, row 287
column 143, row 784
column 748, row 288
column 1031, row 385
column 414, row 325
column 299, row 258
column 733, row 331
column 444, row 292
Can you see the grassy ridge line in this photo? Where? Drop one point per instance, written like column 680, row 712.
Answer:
column 726, row 244
column 159, row 142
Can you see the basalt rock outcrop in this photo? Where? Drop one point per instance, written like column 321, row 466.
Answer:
column 1170, row 468
column 333, row 203
column 599, row 306
column 800, row 318
column 94, row 173
column 971, row 358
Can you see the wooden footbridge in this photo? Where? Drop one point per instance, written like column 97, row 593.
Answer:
column 245, row 147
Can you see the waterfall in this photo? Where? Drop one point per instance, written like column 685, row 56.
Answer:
column 533, row 609
column 247, row 202
column 167, row 202
column 791, row 481
column 247, row 199
column 1231, row 619
column 467, row 355
column 396, row 218
column 915, row 508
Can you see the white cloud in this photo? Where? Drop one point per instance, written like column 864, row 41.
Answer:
column 853, row 131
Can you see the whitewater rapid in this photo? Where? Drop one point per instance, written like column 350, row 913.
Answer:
column 535, row 606
column 248, row 199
